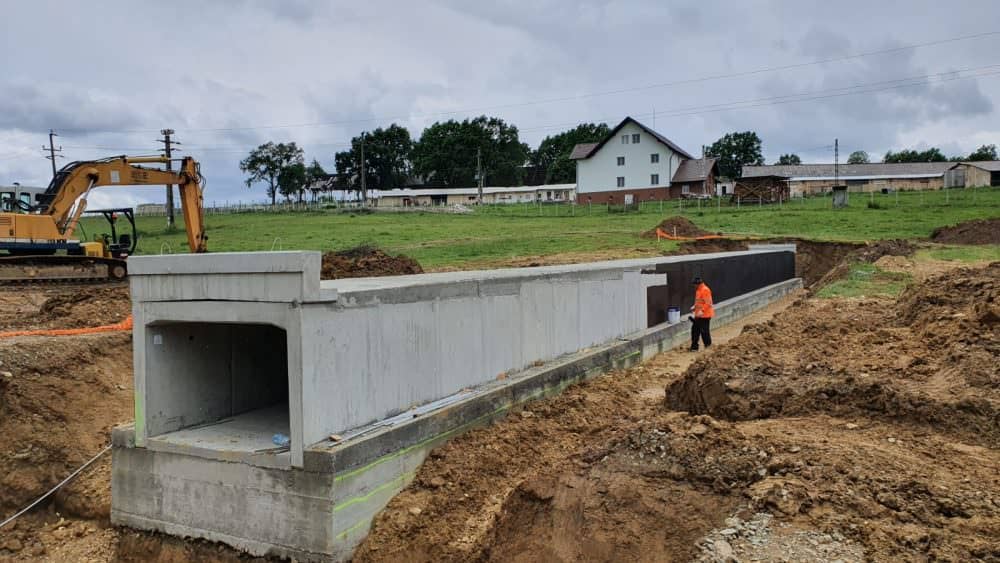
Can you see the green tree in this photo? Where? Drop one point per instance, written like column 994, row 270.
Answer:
column 789, row 159
column 858, row 157
column 553, row 152
column 985, row 152
column 292, row 181
column 932, row 154
column 446, row 153
column 736, row 150
column 387, row 159
column 266, row 162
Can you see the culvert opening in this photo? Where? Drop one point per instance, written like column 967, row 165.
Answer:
column 217, row 386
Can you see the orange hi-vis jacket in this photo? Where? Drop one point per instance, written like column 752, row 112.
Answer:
column 703, row 302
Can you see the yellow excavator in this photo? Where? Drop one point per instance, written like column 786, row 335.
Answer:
column 39, row 239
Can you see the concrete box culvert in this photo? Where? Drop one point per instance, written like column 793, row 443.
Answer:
column 231, row 349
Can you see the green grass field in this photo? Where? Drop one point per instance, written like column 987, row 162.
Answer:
column 498, row 233
column 867, row 280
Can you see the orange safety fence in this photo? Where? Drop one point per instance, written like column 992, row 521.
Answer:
column 117, row 327
column 660, row 234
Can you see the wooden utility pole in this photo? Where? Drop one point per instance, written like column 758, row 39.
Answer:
column 167, row 146
column 479, row 173
column 52, row 150
column 364, row 184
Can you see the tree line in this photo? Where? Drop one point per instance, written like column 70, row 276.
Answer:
column 456, row 153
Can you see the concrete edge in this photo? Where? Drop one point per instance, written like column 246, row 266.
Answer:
column 251, row 547
column 225, row 263
column 495, row 398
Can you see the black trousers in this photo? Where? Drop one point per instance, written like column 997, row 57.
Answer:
column 701, row 328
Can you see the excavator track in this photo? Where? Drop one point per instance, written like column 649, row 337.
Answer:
column 60, row 269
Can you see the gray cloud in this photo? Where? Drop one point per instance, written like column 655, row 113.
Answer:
column 246, row 63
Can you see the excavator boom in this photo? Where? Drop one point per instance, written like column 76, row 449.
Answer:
column 32, row 239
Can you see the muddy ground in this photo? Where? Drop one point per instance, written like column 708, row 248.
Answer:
column 885, row 449
column 366, row 261
column 850, row 429
column 982, row 231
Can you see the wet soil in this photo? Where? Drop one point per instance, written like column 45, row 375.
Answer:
column 982, row 231
column 366, row 261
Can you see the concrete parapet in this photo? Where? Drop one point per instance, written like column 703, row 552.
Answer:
column 393, row 365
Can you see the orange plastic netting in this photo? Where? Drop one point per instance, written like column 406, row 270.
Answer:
column 660, row 234
column 117, row 327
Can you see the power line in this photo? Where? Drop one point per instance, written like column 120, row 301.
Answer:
column 709, row 78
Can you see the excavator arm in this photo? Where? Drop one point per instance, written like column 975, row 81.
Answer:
column 66, row 197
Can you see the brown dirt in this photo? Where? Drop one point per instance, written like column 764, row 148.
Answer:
column 872, row 423
column 710, row 245
column 819, row 263
column 475, row 492
column 677, row 226
column 982, row 231
column 74, row 306
column 366, row 261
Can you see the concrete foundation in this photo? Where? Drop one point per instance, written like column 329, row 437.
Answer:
column 392, row 365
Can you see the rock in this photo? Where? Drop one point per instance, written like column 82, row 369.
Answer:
column 336, row 438
column 728, row 532
column 38, row 550
column 891, row 440
column 698, row 429
column 13, row 544
column 436, row 482
column 527, row 414
column 851, row 426
column 723, row 550
column 794, row 449
column 6, row 374
column 415, row 511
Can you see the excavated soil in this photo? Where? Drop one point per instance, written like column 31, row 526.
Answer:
column 57, row 307
column 930, row 359
column 849, row 429
column 710, row 245
column 366, row 261
column 982, row 231
column 677, row 226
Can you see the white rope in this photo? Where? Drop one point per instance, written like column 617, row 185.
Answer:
column 56, row 488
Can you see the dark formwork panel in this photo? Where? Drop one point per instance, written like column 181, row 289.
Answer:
column 727, row 277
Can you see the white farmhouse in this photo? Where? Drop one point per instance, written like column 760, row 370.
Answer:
column 634, row 163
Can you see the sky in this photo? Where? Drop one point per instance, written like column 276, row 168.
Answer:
column 228, row 75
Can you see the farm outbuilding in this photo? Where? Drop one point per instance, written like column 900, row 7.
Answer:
column 811, row 179
column 973, row 174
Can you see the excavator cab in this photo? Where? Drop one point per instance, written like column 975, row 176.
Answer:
column 117, row 245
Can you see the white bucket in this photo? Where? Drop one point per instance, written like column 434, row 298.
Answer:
column 673, row 315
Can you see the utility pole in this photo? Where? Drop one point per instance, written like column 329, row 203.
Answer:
column 704, row 180
column 167, row 146
column 479, row 173
column 52, row 150
column 364, row 184
column 836, row 162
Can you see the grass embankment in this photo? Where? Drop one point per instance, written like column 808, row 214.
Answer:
column 497, row 233
column 867, row 280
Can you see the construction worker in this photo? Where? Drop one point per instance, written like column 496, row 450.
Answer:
column 702, row 313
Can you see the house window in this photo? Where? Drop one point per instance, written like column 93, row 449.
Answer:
column 624, row 139
column 621, row 181
column 685, row 189
column 621, row 161
column 654, row 179
column 635, row 138
column 654, row 158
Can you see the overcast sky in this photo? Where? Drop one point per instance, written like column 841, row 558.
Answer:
column 230, row 74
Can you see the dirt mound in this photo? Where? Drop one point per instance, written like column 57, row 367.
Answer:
column 981, row 231
column 934, row 365
column 366, row 261
column 677, row 226
column 60, row 307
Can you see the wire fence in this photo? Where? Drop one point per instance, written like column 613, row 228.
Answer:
column 973, row 196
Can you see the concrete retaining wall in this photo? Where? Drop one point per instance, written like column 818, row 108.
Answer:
column 358, row 353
